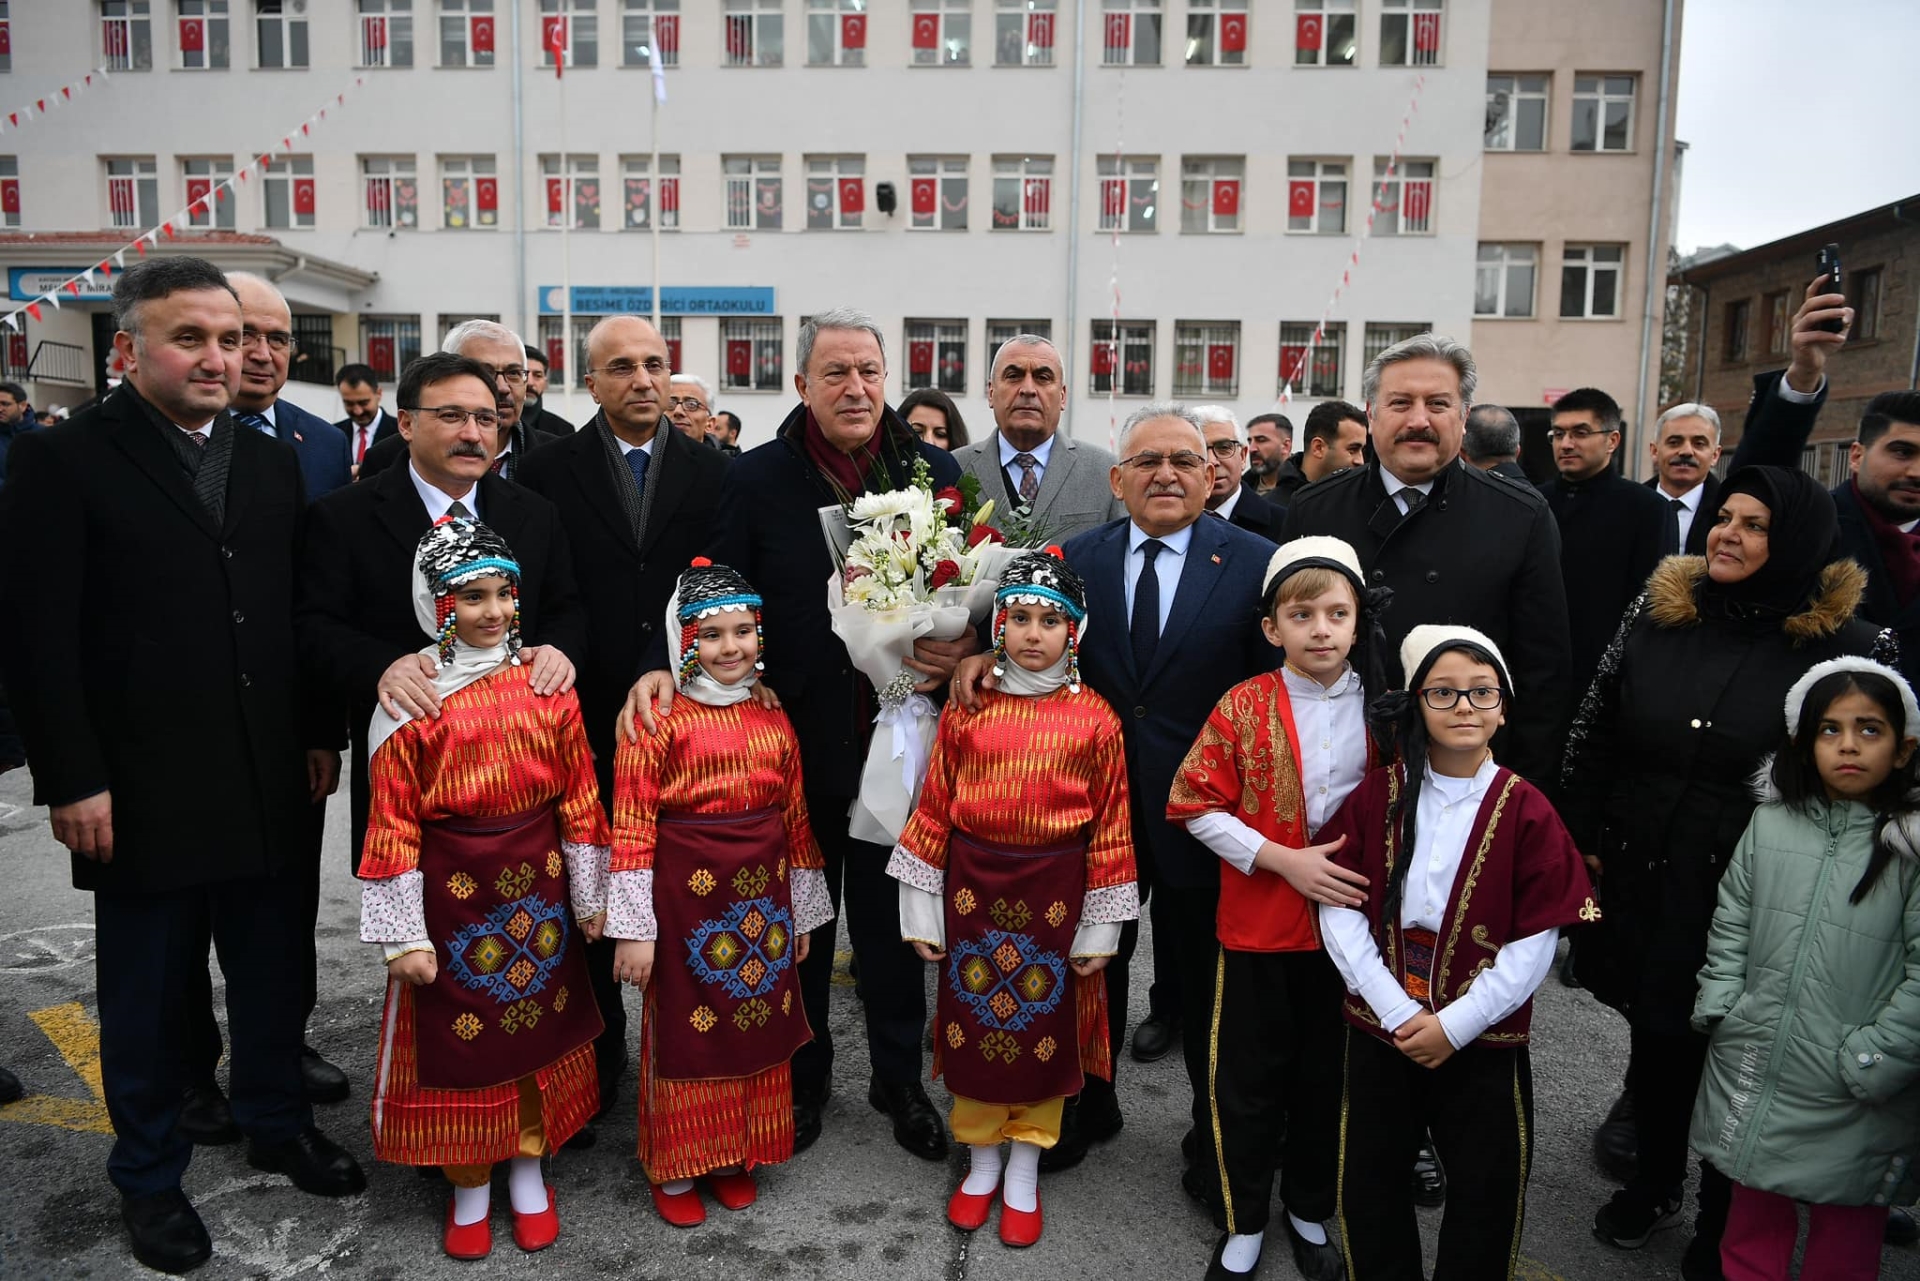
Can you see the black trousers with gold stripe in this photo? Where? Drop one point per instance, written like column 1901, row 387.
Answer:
column 1478, row 1106
column 1273, row 1062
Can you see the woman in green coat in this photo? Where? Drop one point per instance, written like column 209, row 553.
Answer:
column 1811, row 990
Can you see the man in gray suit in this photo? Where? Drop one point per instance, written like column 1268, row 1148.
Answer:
column 1023, row 463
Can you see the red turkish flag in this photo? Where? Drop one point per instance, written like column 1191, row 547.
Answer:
column 1113, row 198
column 926, row 31
column 6, row 37
column 1040, row 30
column 1103, row 358
column 1426, row 32
column 482, row 37
column 1119, row 30
column 553, row 38
column 17, row 351
column 1037, row 196
column 376, row 36
column 739, row 358
column 673, row 354
column 556, row 195
column 198, row 189
column 193, row 35
column 303, row 195
column 486, row 194
column 1220, row 362
column 919, row 357
column 1308, row 30
column 739, row 37
column 669, row 195
column 9, row 195
column 926, row 197
column 853, row 30
column 1300, row 199
column 380, row 356
column 1233, row 32
column 1416, row 201
column 853, row 196
column 666, row 38
column 556, row 356
column 1293, row 364
column 1226, row 198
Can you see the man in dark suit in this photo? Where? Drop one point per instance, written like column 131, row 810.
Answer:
column 632, row 527
column 366, row 423
column 173, row 741
column 266, row 349
column 1333, row 439
column 1685, row 446
column 539, row 419
column 500, row 350
column 1492, row 443
column 1229, row 499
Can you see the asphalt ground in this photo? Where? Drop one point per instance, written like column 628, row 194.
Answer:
column 853, row 1206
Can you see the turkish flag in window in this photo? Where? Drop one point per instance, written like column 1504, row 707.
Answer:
column 193, row 35
column 1220, row 362
column 486, row 194
column 926, row 31
column 1119, row 30
column 1113, row 197
column 1040, row 30
column 1426, row 32
column 482, row 33
column 1300, row 200
column 853, row 195
column 556, row 356
column 1293, row 364
column 303, row 195
column 1037, row 197
column 17, row 351
column 739, row 358
column 556, row 195
column 1226, row 198
column 553, row 37
column 670, row 199
column 9, row 195
column 666, row 38
column 1416, row 200
column 673, row 354
column 919, row 357
column 6, row 37
column 1308, row 30
column 1233, row 32
column 853, row 30
column 198, row 190
column 926, row 196
column 380, row 356
column 1103, row 358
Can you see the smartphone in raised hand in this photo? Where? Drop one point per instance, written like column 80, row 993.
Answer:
column 1828, row 265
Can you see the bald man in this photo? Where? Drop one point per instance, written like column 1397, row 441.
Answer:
column 266, row 348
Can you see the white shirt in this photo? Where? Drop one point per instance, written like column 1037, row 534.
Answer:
column 1040, row 452
column 204, row 431
column 1397, row 489
column 360, row 439
column 1225, row 510
column 1689, row 509
column 1167, row 566
column 646, row 449
column 438, row 500
column 1445, row 823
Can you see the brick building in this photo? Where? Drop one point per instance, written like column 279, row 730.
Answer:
column 1743, row 305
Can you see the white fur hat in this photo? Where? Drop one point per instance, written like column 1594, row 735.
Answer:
column 1426, row 640
column 1320, row 550
column 1797, row 696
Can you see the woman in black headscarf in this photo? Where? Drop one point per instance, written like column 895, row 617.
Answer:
column 1656, row 789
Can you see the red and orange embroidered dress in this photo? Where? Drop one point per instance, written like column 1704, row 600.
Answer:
column 497, row 750
column 719, row 763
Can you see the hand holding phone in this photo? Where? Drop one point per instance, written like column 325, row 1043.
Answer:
column 1828, row 265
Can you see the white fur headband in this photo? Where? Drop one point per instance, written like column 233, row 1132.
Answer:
column 1797, row 696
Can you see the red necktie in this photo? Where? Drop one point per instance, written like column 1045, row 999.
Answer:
column 360, row 448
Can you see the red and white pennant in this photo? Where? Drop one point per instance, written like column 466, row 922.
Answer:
column 17, row 119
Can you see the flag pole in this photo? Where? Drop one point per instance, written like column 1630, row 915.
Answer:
column 566, row 249
column 657, row 194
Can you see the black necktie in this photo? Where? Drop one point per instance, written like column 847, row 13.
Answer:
column 457, row 510
column 1146, row 607
column 1670, row 540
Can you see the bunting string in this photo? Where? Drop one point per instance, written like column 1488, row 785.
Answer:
column 13, row 121
column 1114, row 348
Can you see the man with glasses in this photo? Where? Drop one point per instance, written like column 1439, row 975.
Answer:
column 501, row 351
column 690, row 407
column 267, row 346
column 1229, row 499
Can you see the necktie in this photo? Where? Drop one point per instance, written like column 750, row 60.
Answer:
column 457, row 510
column 1413, row 500
column 499, row 464
column 195, row 439
column 637, row 460
column 256, row 421
column 1146, row 607
column 1670, row 540
column 1029, row 477
column 360, row 446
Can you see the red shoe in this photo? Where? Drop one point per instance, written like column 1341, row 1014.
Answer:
column 735, row 1190
column 537, row 1231
column 683, row 1211
column 1020, row 1228
column 470, row 1240
column 967, row 1211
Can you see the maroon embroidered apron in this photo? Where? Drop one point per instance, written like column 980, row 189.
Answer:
column 512, row 995
column 1006, row 1009
column 726, row 991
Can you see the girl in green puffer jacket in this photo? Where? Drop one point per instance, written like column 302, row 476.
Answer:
column 1811, row 990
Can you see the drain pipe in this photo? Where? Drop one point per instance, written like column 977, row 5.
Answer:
column 519, row 187
column 1656, row 261
column 1070, row 340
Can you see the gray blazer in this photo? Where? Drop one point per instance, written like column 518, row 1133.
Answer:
column 1075, row 492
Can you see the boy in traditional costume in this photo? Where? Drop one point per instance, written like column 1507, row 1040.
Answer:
column 1272, row 765
column 1472, row 878
column 485, row 845
column 1016, row 867
column 712, row 854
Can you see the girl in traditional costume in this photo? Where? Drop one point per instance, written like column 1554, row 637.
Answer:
column 485, row 847
column 1470, row 879
column 715, row 866
column 1016, row 871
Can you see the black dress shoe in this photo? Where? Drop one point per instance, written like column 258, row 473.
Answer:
column 1071, row 1149
column 1616, row 1144
column 807, row 1107
column 313, row 1161
column 1100, row 1117
column 1429, row 1177
column 1316, row 1262
column 322, row 1081
column 205, row 1118
column 916, row 1126
column 1901, row 1229
column 1218, row 1271
column 10, row 1087
column 166, row 1231
column 1154, row 1038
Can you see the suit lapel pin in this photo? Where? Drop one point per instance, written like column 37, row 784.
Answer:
column 302, row 439
column 1216, row 558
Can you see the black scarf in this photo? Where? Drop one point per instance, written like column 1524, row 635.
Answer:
column 207, row 466
column 1803, row 538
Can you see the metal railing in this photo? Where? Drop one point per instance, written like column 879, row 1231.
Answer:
column 59, row 362
column 316, row 364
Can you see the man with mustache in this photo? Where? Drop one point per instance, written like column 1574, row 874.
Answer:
column 1685, row 446
column 502, row 352
column 1269, row 455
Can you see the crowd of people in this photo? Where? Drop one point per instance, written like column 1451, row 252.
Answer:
column 1363, row 728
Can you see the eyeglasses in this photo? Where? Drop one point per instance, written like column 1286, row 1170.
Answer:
column 1225, row 448
column 1481, row 697
column 686, row 402
column 512, row 373
column 624, row 369
column 1149, row 461
column 1581, row 434
column 277, row 340
column 455, row 417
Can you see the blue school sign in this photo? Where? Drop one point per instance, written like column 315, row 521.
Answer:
column 637, row 300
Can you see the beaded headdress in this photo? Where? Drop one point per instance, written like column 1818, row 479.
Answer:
column 1041, row 578
column 457, row 550
column 706, row 589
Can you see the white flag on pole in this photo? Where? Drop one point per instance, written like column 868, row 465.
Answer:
column 659, row 72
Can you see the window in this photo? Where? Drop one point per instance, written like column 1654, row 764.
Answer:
column 1216, row 33
column 1590, row 281
column 753, row 192
column 836, row 192
column 1206, row 358
column 206, row 35
column 937, row 193
column 392, row 192
column 1022, row 192
column 1380, row 337
column 636, row 174
column 1406, row 199
column 1325, row 33
column 576, row 187
column 837, row 33
column 209, row 203
column 1210, row 193
column 573, row 25
column 1130, row 33
column 756, row 35
column 314, row 355
column 9, row 190
column 386, row 33
column 6, row 47
column 469, row 192
column 937, row 355
column 1779, row 319
column 466, row 33
column 1503, row 277
column 1023, row 33
column 1739, row 318
column 1603, row 113
column 286, row 187
column 1312, row 368
column 126, row 34
column 450, row 320
column 1129, row 193
column 642, row 23
column 1410, row 33
column 559, row 360
column 390, row 344
column 1517, row 113
column 669, row 334
column 750, row 354
column 942, row 33
column 133, row 192
column 1865, row 297
column 999, row 331
column 1128, row 360
column 280, row 26
column 1317, row 196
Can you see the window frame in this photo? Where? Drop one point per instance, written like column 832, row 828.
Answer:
column 636, row 14
column 1325, row 169
column 285, row 172
column 1327, row 11
column 400, row 329
column 1868, row 302
column 836, row 12
column 575, row 170
column 639, row 168
column 948, row 365
column 1025, row 19
column 1135, row 172
column 583, row 32
column 1333, row 336
column 756, row 18
column 1390, row 194
column 1517, row 95
column 294, row 31
column 141, row 184
column 1502, row 269
column 1123, row 17
column 837, row 169
column 943, row 13
column 1593, row 266
column 210, row 17
column 1736, row 332
column 469, row 171
column 941, row 171
column 10, row 190
column 1599, row 98
column 1027, row 173
column 134, row 20
column 753, row 180
column 767, row 336
column 1202, row 176
column 397, row 16
column 218, row 175
column 459, row 16
column 1408, row 16
column 1136, row 338
column 389, row 190
column 1201, row 338
column 1207, row 25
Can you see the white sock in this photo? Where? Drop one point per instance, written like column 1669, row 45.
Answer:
column 1313, row 1232
column 1021, row 1188
column 1242, row 1252
column 679, row 1187
column 526, row 1185
column 984, row 1176
column 470, row 1205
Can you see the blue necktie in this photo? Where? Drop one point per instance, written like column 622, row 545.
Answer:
column 637, row 460
column 258, row 422
column 1146, row 608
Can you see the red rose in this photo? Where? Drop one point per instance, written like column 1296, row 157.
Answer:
column 943, row 573
column 985, row 534
column 952, row 497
